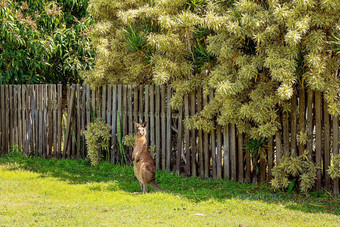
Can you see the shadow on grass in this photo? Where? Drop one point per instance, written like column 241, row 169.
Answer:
column 194, row 189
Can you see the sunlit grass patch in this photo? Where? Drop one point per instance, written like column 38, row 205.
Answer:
column 39, row 192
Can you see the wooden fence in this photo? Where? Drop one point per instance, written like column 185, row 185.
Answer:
column 62, row 112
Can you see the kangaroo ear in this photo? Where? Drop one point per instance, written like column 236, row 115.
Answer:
column 145, row 124
column 136, row 124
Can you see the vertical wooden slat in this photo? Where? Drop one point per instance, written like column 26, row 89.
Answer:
column 72, row 137
column 68, row 96
column 88, row 107
column 114, row 123
column 135, row 105
column 4, row 116
column 233, row 154
column 146, row 114
column 119, row 113
column 187, row 138
column 29, row 94
column 179, row 140
column 109, row 105
column 226, row 155
column 104, row 102
column 103, row 108
column 301, row 117
column 108, row 117
column 218, row 152
column 158, row 129
column 97, row 107
column 30, row 113
column 120, row 103
column 131, row 129
column 20, row 122
column 140, row 112
column 335, row 149
column 41, row 119
column 248, row 162
column 19, row 131
column 285, row 132
column 2, row 120
column 7, row 128
column 36, row 122
column 200, row 136
column 109, row 112
column 88, row 104
column 240, row 157
column 44, row 119
column 163, row 127
column 152, row 116
column 278, row 143
column 83, row 119
column 168, row 129
column 78, row 128
column 11, row 116
column 3, row 110
column 50, row 120
column 54, row 118
column 30, row 124
column 67, row 145
column 318, row 145
column 125, row 116
column 44, row 109
column 93, row 102
column 193, row 135
column 213, row 153
column 270, row 158
column 15, row 113
column 293, row 125
column 59, row 120
column 7, row 116
column 263, row 158
column 213, row 144
column 327, row 145
column 24, row 114
column 206, row 144
column 310, row 123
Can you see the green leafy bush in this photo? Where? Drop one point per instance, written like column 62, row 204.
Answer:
column 334, row 168
column 97, row 136
column 294, row 170
column 44, row 41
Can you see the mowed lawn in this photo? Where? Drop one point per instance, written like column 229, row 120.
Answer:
column 39, row 192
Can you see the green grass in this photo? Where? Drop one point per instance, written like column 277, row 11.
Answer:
column 39, row 192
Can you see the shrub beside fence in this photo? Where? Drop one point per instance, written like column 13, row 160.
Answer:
column 62, row 112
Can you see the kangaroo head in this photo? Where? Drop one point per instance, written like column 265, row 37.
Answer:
column 141, row 128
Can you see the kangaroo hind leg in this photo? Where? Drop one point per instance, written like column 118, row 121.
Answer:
column 145, row 188
column 141, row 186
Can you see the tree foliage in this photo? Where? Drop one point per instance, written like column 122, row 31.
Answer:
column 254, row 54
column 44, row 41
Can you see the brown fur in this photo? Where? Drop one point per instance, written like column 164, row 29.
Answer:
column 143, row 163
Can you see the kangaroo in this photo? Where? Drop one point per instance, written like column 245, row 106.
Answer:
column 143, row 164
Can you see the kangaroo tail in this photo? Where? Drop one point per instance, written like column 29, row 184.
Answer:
column 155, row 186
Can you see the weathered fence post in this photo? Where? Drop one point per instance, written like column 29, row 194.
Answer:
column 30, row 126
